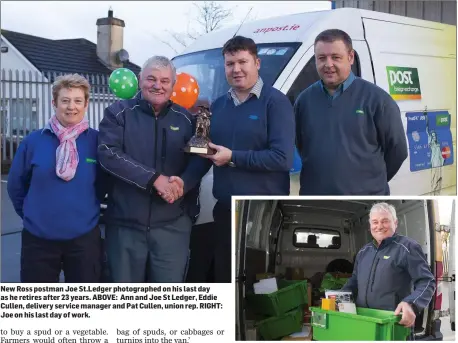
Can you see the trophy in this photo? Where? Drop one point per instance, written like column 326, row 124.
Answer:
column 198, row 144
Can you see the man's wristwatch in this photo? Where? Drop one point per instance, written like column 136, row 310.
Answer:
column 231, row 164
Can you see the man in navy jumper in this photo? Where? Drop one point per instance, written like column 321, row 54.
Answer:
column 252, row 130
column 349, row 131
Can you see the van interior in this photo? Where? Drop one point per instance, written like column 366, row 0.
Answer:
column 305, row 239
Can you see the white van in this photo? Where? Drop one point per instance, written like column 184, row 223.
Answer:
column 413, row 60
column 272, row 237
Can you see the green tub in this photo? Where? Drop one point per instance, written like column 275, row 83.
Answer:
column 366, row 325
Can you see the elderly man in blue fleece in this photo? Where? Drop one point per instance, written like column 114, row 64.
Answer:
column 391, row 272
column 55, row 185
column 349, row 131
column 252, row 130
column 141, row 141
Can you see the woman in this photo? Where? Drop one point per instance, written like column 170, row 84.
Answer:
column 52, row 185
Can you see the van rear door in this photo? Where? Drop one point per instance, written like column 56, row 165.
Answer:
column 452, row 267
column 242, row 207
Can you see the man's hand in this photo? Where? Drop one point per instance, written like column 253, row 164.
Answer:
column 222, row 157
column 169, row 191
column 408, row 315
column 178, row 181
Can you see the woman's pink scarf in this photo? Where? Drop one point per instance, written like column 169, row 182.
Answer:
column 66, row 154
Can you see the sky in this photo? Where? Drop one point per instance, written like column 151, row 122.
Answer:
column 146, row 23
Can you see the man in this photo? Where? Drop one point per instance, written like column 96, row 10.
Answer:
column 141, row 141
column 252, row 133
column 387, row 268
column 349, row 131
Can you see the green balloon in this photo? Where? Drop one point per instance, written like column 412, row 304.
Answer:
column 123, row 83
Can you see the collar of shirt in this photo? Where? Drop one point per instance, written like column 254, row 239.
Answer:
column 342, row 87
column 256, row 91
column 386, row 241
column 47, row 127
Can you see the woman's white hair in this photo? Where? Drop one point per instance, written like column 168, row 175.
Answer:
column 158, row 62
column 384, row 207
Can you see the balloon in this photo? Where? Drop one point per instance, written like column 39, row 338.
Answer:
column 123, row 83
column 185, row 91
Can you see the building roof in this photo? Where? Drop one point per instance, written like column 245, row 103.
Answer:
column 63, row 55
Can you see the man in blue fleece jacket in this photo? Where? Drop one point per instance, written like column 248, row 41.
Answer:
column 141, row 141
column 349, row 131
column 252, row 130
column 391, row 272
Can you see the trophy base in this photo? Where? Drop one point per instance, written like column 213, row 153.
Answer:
column 196, row 150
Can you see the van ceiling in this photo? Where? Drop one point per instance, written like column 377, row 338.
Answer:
column 340, row 208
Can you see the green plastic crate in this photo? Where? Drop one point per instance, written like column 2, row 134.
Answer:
column 366, row 325
column 283, row 325
column 289, row 296
column 285, row 283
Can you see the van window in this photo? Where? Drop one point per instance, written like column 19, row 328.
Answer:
column 309, row 75
column 316, row 238
column 208, row 67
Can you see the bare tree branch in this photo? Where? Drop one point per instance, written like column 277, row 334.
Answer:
column 166, row 43
column 178, row 38
column 210, row 17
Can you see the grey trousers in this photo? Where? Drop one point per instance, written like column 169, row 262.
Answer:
column 159, row 255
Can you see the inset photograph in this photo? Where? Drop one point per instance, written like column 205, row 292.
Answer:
column 345, row 270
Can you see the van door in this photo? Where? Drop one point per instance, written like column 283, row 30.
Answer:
column 240, row 243
column 452, row 268
column 413, row 222
column 410, row 72
column 253, row 246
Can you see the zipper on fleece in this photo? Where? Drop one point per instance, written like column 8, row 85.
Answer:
column 368, row 281
column 155, row 159
column 164, row 150
column 373, row 274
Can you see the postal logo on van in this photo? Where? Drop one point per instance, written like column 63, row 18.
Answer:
column 442, row 120
column 404, row 83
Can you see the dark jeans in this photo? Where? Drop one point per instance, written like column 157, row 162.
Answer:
column 202, row 248
column 80, row 258
column 159, row 255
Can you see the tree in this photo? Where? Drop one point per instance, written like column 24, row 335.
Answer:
column 210, row 16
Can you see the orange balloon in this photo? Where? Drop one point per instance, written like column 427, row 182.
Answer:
column 185, row 91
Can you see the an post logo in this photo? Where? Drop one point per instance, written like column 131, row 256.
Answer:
column 404, row 83
column 442, row 120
